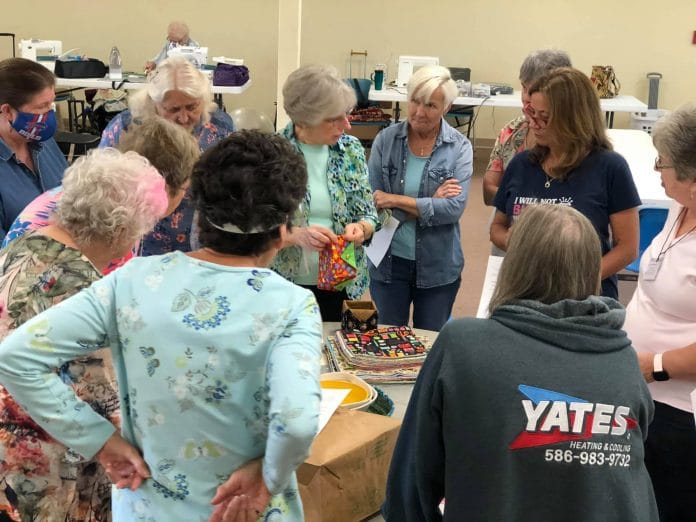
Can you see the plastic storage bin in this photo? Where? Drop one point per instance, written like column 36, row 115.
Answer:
column 646, row 120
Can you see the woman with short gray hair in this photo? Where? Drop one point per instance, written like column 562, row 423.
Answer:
column 514, row 136
column 182, row 94
column 338, row 199
column 537, row 411
column 420, row 171
column 109, row 201
column 661, row 321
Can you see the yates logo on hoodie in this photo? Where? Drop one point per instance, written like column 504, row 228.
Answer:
column 554, row 417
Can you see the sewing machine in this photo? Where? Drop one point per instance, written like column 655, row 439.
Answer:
column 198, row 56
column 43, row 51
column 408, row 64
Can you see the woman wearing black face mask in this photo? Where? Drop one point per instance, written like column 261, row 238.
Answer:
column 30, row 160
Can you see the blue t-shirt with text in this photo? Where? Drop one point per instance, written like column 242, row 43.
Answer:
column 600, row 186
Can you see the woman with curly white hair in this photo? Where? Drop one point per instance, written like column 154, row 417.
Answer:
column 180, row 93
column 110, row 199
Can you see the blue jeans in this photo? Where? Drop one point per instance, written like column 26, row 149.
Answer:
column 432, row 307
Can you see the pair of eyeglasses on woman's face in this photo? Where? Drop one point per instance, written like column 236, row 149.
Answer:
column 661, row 166
column 535, row 118
column 339, row 121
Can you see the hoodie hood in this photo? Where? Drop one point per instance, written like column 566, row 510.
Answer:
column 569, row 324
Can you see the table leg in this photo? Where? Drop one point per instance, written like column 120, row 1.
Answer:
column 397, row 112
column 217, row 98
column 609, row 116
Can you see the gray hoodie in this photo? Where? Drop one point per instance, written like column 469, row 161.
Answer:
column 537, row 414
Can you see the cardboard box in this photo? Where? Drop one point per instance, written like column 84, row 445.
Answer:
column 345, row 477
column 358, row 316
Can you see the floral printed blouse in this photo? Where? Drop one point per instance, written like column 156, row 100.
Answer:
column 40, row 479
column 351, row 201
column 216, row 366
column 510, row 142
column 173, row 232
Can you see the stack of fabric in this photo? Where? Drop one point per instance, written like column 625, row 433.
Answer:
column 384, row 355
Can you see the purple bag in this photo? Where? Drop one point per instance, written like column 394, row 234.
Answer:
column 226, row 75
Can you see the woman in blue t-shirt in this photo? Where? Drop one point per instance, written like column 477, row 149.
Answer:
column 572, row 164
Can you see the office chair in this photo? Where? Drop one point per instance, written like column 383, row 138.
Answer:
column 74, row 144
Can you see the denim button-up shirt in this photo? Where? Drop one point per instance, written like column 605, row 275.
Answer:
column 19, row 185
column 439, row 258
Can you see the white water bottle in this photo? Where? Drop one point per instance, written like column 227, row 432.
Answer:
column 115, row 65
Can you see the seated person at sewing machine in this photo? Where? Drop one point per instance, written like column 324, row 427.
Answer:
column 177, row 35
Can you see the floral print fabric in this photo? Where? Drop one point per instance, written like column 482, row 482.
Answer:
column 40, row 479
column 351, row 201
column 510, row 142
column 173, row 232
column 216, row 365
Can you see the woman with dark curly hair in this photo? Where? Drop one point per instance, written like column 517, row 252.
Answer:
column 217, row 356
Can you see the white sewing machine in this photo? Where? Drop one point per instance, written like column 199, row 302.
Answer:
column 33, row 49
column 408, row 64
column 198, row 56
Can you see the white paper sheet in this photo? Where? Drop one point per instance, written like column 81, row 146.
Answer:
column 330, row 400
column 489, row 282
column 381, row 241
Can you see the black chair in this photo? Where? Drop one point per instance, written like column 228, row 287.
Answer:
column 75, row 144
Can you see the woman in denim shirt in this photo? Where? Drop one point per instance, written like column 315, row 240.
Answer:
column 30, row 160
column 420, row 171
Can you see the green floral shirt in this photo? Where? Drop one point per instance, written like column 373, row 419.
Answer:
column 351, row 201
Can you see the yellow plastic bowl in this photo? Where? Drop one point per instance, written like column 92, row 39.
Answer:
column 360, row 394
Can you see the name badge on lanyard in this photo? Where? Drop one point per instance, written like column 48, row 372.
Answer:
column 652, row 269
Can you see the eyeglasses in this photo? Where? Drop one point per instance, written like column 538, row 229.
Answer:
column 339, row 121
column 661, row 166
column 537, row 120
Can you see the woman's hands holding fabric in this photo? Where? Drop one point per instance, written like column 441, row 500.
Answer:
column 449, row 189
column 354, row 232
column 123, row 463
column 243, row 497
column 312, row 237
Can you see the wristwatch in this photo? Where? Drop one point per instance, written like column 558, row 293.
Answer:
column 659, row 374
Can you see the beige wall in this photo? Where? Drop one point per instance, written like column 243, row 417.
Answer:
column 235, row 28
column 492, row 38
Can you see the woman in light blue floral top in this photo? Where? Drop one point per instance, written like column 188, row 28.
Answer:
column 339, row 198
column 217, row 357
column 180, row 93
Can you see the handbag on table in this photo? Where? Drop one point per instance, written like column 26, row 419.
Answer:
column 605, row 81
column 226, row 75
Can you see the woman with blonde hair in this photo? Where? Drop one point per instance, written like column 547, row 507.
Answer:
column 572, row 164
column 109, row 201
column 539, row 410
column 420, row 171
column 180, row 93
